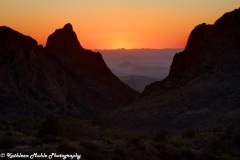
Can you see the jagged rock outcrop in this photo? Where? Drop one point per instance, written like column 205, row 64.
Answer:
column 210, row 48
column 61, row 78
column 202, row 89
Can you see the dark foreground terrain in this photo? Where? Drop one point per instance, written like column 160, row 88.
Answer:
column 98, row 141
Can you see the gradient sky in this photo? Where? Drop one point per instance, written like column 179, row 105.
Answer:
column 110, row 24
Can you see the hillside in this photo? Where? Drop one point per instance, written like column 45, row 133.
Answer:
column 61, row 78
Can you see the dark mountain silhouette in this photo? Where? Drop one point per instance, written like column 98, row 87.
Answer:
column 210, row 49
column 61, row 78
column 202, row 89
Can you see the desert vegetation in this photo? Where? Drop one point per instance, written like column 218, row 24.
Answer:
column 97, row 141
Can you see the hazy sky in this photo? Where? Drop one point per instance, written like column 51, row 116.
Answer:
column 105, row 24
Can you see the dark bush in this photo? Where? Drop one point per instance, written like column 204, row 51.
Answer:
column 217, row 146
column 119, row 152
column 133, row 141
column 187, row 154
column 161, row 136
column 35, row 142
column 88, row 145
column 50, row 127
column 116, row 157
column 189, row 133
column 236, row 139
column 66, row 148
column 7, row 143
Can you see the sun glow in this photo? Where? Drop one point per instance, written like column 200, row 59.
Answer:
column 109, row 24
column 121, row 43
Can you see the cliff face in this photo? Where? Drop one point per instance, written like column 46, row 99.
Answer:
column 61, row 78
column 210, row 49
column 202, row 89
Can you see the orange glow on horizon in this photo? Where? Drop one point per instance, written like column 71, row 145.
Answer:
column 109, row 24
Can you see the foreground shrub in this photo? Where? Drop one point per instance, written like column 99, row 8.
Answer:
column 189, row 133
column 50, row 127
column 7, row 143
column 65, row 147
column 161, row 136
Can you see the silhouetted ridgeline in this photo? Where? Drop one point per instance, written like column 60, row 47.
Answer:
column 61, row 78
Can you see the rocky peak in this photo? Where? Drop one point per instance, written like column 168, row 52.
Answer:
column 64, row 39
column 68, row 26
column 64, row 45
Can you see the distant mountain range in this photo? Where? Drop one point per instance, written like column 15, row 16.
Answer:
column 61, row 78
column 202, row 89
column 139, row 67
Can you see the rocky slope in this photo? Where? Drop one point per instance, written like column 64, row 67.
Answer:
column 61, row 78
column 210, row 48
column 202, row 89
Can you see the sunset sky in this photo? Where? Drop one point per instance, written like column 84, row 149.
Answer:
column 110, row 24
